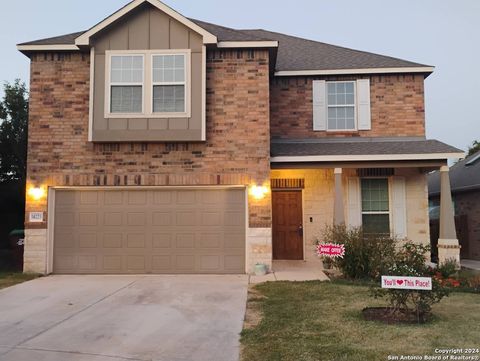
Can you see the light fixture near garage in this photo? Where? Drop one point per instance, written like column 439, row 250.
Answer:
column 36, row 193
column 258, row 192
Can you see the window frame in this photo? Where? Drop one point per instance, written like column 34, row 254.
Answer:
column 164, row 83
column 389, row 212
column 355, row 105
column 147, row 86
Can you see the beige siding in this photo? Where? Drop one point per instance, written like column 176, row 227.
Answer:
column 147, row 28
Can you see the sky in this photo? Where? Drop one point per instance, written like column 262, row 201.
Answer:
column 443, row 33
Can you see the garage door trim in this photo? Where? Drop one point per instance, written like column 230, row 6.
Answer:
column 51, row 207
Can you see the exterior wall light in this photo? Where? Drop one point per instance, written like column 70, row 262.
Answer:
column 36, row 193
column 258, row 192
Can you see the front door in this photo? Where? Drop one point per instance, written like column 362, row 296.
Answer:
column 287, row 225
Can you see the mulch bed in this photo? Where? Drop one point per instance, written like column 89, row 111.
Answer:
column 390, row 316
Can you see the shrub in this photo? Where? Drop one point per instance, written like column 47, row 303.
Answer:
column 410, row 261
column 448, row 268
column 365, row 256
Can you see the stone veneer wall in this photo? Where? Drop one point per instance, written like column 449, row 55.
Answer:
column 237, row 151
column 318, row 199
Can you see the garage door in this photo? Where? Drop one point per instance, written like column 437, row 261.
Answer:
column 149, row 231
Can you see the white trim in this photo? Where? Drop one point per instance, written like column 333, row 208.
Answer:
column 377, row 157
column 92, row 94
column 423, row 69
column 354, row 105
column 147, row 85
column 204, row 93
column 247, row 44
column 50, row 229
column 108, row 84
column 84, row 39
column 59, row 47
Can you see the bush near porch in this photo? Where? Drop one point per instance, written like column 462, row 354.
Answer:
column 311, row 321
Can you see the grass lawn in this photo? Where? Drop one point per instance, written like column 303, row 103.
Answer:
column 317, row 321
column 10, row 279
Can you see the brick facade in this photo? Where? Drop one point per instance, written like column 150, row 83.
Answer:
column 397, row 107
column 237, row 150
column 469, row 204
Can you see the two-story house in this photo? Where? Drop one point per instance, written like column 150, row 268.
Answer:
column 163, row 144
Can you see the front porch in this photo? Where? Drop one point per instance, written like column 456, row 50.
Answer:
column 389, row 198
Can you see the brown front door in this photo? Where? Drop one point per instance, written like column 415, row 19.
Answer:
column 287, row 225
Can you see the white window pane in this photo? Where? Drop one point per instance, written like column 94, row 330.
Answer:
column 341, row 112
column 127, row 76
column 350, row 99
column 350, row 123
column 332, row 99
column 116, row 76
column 350, row 112
column 127, row 62
column 157, row 75
column 137, row 62
column 169, row 61
column 332, row 124
column 341, row 123
column 331, row 88
column 126, row 99
column 349, row 88
column 137, row 75
column 158, row 62
column 168, row 98
column 179, row 75
column 341, row 99
column 180, row 61
column 340, row 88
column 116, row 62
column 168, row 75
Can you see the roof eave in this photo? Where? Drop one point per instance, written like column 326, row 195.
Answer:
column 394, row 70
column 361, row 158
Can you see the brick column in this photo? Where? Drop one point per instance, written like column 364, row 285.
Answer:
column 448, row 246
column 338, row 209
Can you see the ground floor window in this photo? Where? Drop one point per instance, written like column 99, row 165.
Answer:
column 375, row 206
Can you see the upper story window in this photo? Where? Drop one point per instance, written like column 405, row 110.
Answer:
column 148, row 84
column 126, row 84
column 341, row 105
column 169, row 83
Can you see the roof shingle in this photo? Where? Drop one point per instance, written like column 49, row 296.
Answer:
column 363, row 146
column 294, row 54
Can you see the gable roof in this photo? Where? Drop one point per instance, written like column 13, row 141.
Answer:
column 464, row 176
column 295, row 56
column 84, row 39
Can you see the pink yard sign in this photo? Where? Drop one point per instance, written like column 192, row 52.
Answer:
column 331, row 250
column 407, row 283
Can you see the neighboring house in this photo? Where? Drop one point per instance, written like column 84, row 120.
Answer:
column 171, row 145
column 465, row 185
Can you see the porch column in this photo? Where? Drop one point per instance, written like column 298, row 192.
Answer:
column 338, row 209
column 448, row 246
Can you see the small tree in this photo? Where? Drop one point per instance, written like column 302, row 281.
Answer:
column 474, row 148
column 410, row 261
column 13, row 132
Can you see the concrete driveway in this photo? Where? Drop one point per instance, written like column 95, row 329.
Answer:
column 100, row 318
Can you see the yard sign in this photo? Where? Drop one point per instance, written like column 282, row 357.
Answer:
column 331, row 250
column 407, row 283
